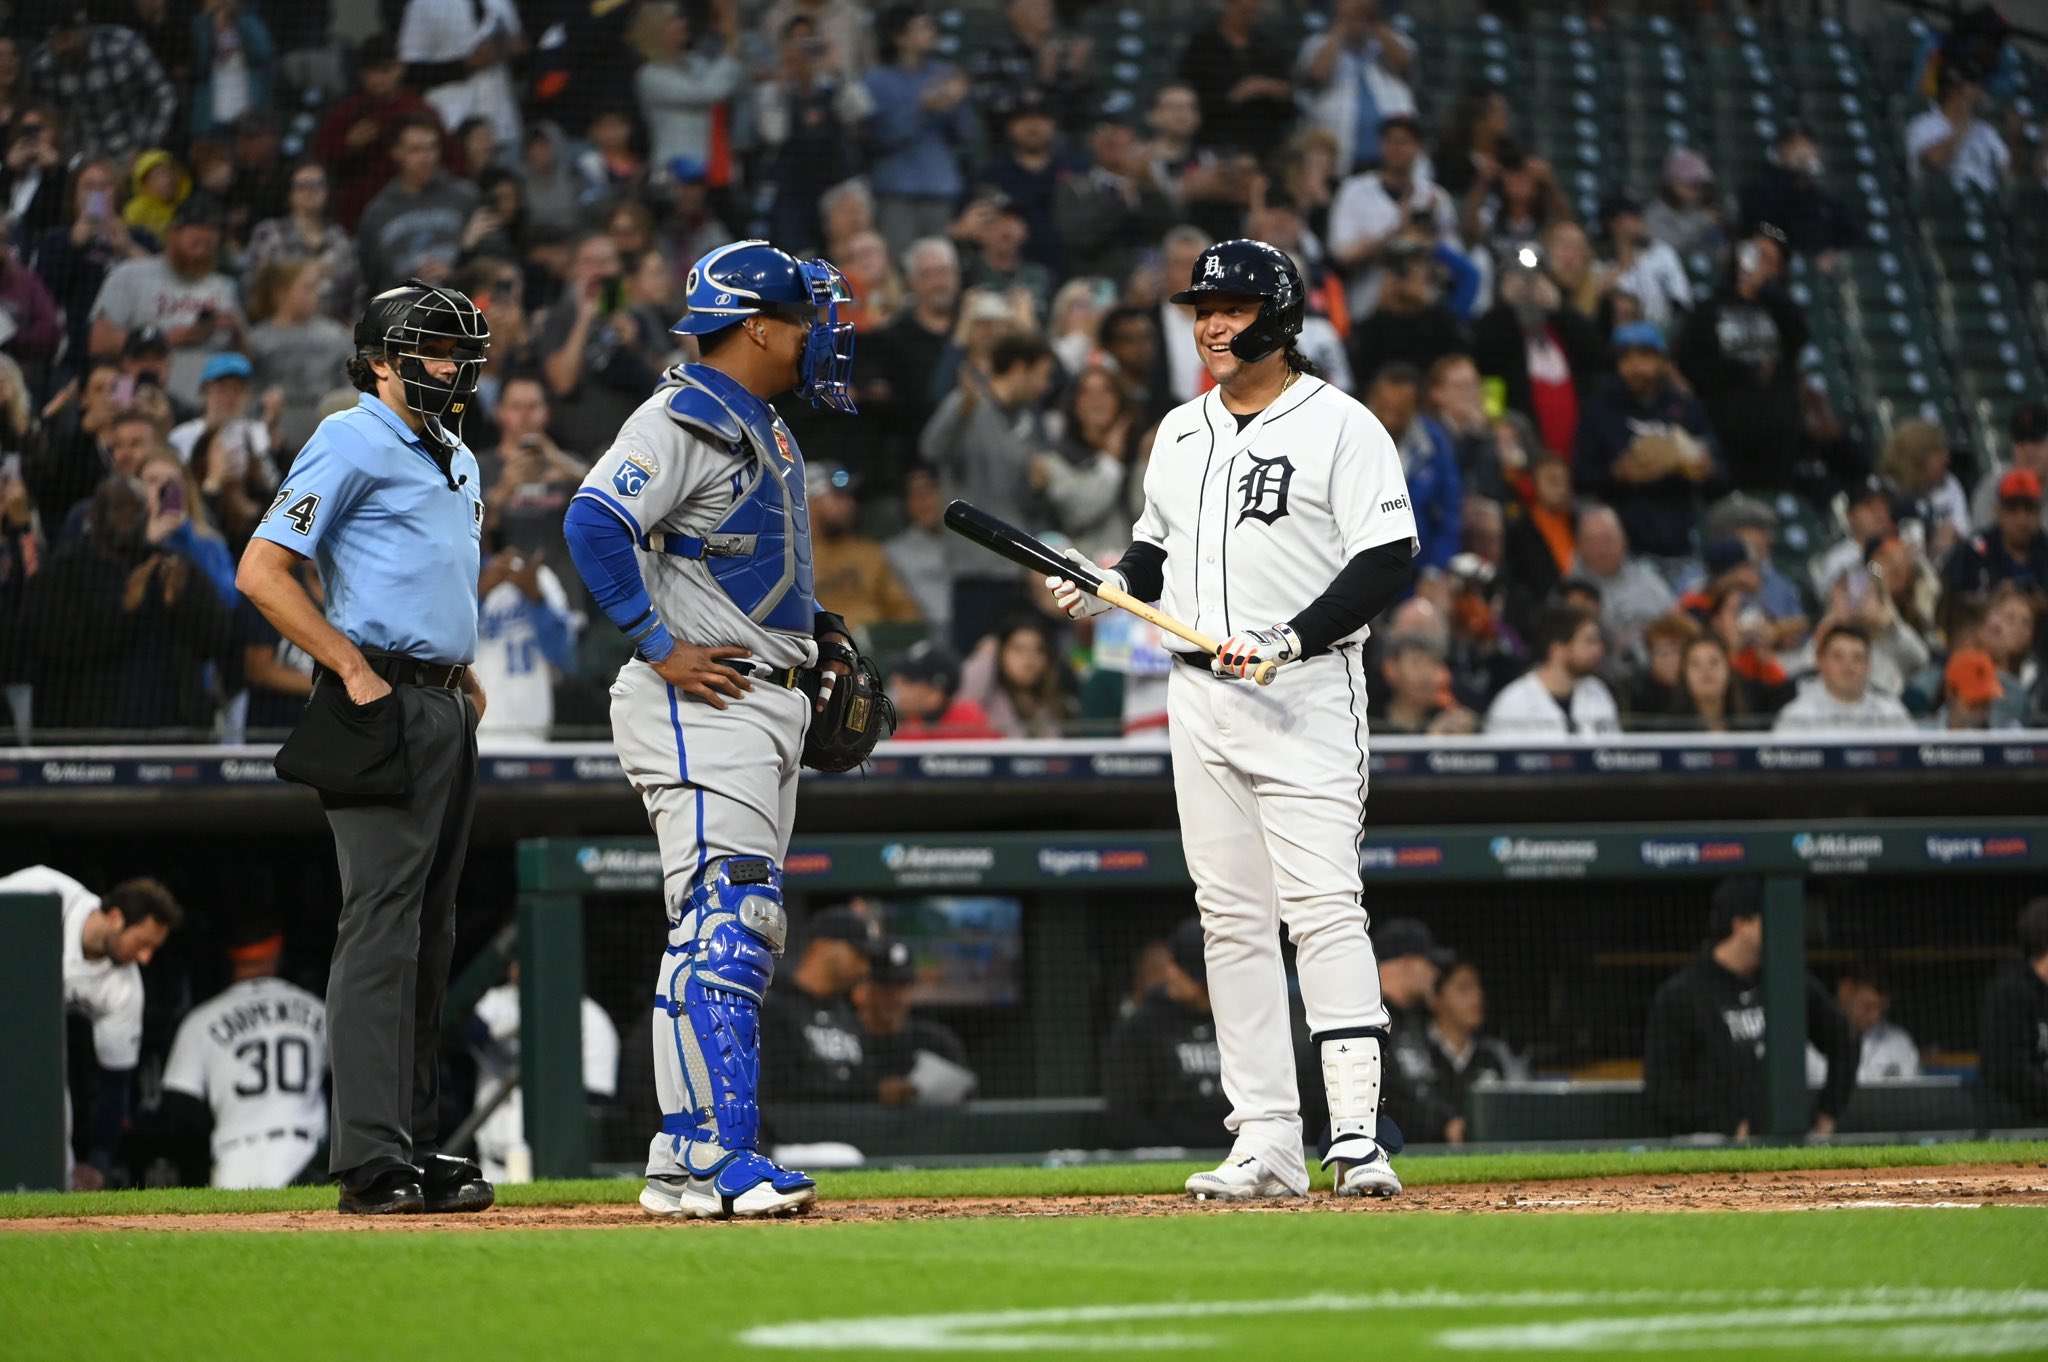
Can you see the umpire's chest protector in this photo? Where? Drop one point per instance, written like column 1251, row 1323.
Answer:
column 759, row 554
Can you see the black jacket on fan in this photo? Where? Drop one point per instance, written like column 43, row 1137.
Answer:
column 1703, row 1062
column 1410, row 1096
column 896, row 1055
column 1163, row 1076
column 2013, row 1044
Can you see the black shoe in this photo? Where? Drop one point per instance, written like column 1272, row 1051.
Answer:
column 396, row 1192
column 454, row 1186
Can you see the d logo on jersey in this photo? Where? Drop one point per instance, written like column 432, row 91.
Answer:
column 1264, row 488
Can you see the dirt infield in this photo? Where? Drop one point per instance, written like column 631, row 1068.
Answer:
column 1818, row 1189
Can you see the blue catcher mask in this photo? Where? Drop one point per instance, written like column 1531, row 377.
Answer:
column 825, row 374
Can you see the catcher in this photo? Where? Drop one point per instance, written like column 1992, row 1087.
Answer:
column 693, row 536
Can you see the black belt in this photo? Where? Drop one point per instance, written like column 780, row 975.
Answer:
column 786, row 677
column 1201, row 660
column 401, row 670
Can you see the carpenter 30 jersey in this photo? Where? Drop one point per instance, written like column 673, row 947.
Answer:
column 1256, row 523
column 256, row 1053
column 711, row 485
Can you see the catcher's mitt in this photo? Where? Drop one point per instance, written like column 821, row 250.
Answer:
column 858, row 714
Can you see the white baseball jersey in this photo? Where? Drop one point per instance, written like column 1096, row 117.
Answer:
column 1270, row 781
column 512, row 663
column 106, row 994
column 498, row 1066
column 256, row 1053
column 1256, row 523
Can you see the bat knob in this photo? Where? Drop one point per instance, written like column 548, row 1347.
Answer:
column 1263, row 673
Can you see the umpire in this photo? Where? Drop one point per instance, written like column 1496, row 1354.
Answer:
column 387, row 501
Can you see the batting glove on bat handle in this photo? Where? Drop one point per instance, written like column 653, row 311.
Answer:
column 1076, row 603
column 1256, row 653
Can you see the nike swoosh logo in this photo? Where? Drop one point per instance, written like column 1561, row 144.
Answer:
column 1178, row 438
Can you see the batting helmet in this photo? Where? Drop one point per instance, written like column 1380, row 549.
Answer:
column 414, row 324
column 1242, row 268
column 750, row 278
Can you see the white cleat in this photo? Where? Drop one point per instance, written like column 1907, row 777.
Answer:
column 1241, row 1179
column 1368, row 1177
column 700, row 1199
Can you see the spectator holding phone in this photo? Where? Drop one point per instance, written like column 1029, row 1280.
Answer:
column 33, row 179
column 596, row 357
column 526, row 638
column 528, row 479
column 73, row 258
column 180, row 523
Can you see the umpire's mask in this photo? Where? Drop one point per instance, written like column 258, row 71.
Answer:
column 418, row 323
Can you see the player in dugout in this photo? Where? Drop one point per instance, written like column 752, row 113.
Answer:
column 1703, row 1066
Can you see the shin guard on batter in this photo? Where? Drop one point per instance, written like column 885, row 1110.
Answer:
column 723, row 940
column 1351, row 1060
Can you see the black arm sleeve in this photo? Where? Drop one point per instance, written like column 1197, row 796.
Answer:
column 1830, row 1031
column 1144, row 568
column 1369, row 583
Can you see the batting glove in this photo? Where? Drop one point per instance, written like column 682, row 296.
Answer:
column 1242, row 653
column 1072, row 600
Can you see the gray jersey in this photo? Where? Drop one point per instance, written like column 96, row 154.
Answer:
column 673, row 479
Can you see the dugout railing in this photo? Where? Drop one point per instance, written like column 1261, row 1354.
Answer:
column 557, row 876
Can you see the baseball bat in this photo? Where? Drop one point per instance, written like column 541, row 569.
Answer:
column 1005, row 540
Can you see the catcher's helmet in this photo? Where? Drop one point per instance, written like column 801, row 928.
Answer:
column 419, row 322
column 749, row 278
column 1243, row 268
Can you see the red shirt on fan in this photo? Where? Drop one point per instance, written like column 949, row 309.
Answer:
column 963, row 721
column 1553, row 399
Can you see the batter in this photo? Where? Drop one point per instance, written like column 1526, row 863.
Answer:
column 693, row 535
column 1271, row 487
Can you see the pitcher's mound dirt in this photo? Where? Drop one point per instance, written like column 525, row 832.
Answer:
column 1819, row 1189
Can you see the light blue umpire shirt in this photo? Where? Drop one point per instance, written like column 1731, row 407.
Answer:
column 399, row 551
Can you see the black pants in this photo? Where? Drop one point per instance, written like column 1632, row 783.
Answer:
column 400, row 863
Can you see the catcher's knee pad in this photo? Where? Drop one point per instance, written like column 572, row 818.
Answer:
column 721, row 955
column 1351, row 1058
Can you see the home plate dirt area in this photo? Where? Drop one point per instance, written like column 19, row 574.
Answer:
column 1806, row 1189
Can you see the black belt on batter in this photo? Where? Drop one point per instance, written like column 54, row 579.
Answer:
column 401, row 670
column 1201, row 660
column 785, row 677
column 266, row 1136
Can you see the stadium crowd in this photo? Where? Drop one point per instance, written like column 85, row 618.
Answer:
column 1607, row 462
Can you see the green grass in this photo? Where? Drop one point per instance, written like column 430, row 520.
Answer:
column 1705, row 1286
column 1126, row 1179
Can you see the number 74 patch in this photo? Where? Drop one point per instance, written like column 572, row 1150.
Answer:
column 300, row 513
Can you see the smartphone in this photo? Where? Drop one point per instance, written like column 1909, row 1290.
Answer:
column 10, row 468
column 124, row 390
column 170, row 499
column 99, row 205
column 614, row 289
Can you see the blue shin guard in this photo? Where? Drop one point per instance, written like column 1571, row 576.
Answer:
column 721, row 955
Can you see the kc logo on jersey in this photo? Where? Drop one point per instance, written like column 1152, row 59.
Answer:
column 1264, row 488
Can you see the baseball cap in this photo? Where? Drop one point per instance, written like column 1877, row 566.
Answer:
column 2029, row 422
column 820, row 478
column 146, row 340
column 1403, row 251
column 1638, row 336
column 1725, row 555
column 1737, row 896
column 984, row 305
column 1875, row 485
column 1401, row 936
column 930, row 663
column 1620, row 204
column 227, row 365
column 1025, row 101
column 890, row 962
column 201, row 210
column 1972, row 677
column 840, row 924
column 1739, row 511
column 1408, row 123
column 1185, row 945
column 687, row 170
column 2020, row 485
